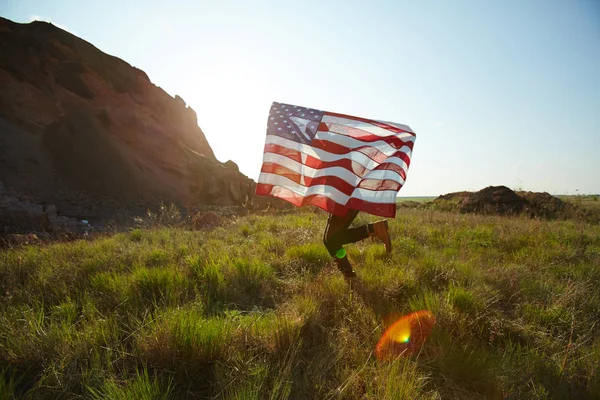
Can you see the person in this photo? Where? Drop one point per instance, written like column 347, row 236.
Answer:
column 338, row 233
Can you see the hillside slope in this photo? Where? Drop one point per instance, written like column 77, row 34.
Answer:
column 91, row 134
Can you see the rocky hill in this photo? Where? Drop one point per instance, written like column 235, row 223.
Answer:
column 90, row 134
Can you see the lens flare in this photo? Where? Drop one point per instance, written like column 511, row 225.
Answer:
column 405, row 336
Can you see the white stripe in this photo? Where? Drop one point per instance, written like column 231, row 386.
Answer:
column 352, row 143
column 365, row 126
column 397, row 125
column 402, row 136
column 384, row 174
column 372, row 196
column 397, row 161
column 370, row 174
column 341, row 172
column 326, row 156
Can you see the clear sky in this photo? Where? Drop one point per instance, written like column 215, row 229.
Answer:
column 498, row 92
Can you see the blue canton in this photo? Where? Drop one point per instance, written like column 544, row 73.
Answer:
column 299, row 124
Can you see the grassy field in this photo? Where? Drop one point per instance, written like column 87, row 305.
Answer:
column 255, row 309
column 587, row 201
column 418, row 199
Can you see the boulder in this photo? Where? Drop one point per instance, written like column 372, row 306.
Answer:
column 17, row 216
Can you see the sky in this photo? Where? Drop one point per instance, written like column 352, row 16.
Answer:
column 498, row 92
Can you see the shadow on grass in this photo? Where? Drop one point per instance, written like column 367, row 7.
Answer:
column 384, row 306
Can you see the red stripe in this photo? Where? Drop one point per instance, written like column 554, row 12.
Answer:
column 364, row 136
column 277, row 169
column 378, row 184
column 383, row 210
column 392, row 167
column 370, row 121
column 370, row 151
column 331, row 147
column 325, row 203
column 284, row 151
column 350, row 165
column 318, row 200
column 335, row 148
column 330, row 180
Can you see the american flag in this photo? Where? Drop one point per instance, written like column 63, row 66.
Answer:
column 334, row 161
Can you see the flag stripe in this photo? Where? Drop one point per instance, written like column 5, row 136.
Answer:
column 378, row 196
column 373, row 153
column 330, row 180
column 359, row 156
column 392, row 164
column 394, row 143
column 269, row 170
column 374, row 127
column 343, row 142
column 271, row 159
column 327, row 204
column 403, row 127
column 359, row 134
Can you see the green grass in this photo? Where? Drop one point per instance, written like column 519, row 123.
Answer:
column 418, row 199
column 590, row 201
column 255, row 309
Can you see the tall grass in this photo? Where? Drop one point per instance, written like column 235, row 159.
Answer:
column 255, row 309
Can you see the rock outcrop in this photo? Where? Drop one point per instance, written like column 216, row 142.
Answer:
column 90, row 134
column 19, row 216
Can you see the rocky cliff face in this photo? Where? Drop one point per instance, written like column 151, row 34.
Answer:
column 91, row 134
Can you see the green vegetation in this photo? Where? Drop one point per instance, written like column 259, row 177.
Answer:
column 255, row 309
column 421, row 199
column 590, row 201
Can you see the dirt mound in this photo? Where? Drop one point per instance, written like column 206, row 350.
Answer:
column 491, row 200
column 91, row 134
column 547, row 206
column 500, row 200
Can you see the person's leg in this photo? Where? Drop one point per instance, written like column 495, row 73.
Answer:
column 337, row 234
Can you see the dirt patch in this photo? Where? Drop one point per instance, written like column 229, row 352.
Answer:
column 207, row 220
